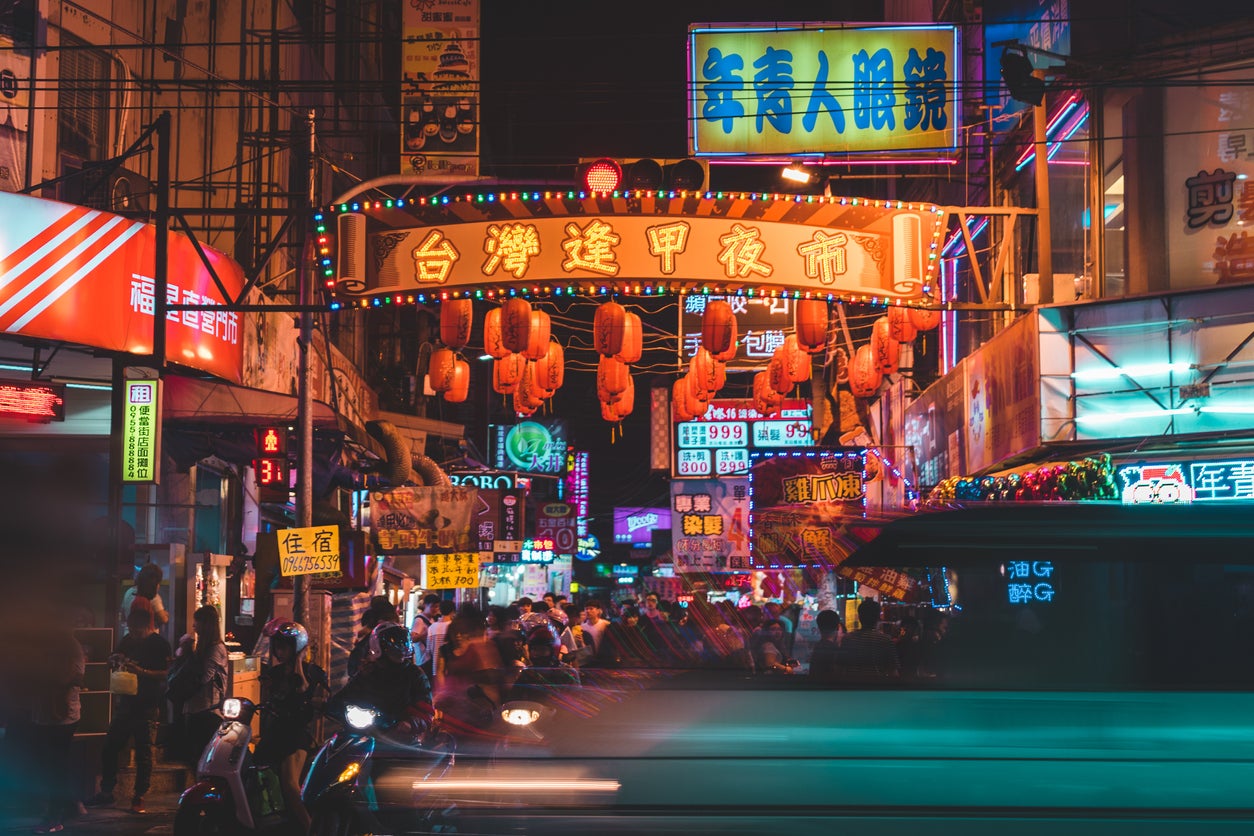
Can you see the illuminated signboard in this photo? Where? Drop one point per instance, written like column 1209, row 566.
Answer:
column 487, row 480
column 719, row 442
column 1029, row 581
column 762, row 325
column 32, row 401
column 537, row 551
column 635, row 526
column 141, row 431
column 798, row 503
column 532, row 447
column 797, row 88
column 1180, row 482
column 577, row 488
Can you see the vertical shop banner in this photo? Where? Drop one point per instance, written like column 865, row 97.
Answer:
column 710, row 524
column 799, row 503
column 458, row 570
column 498, row 524
column 887, row 491
column 310, row 551
column 424, row 519
column 141, row 431
column 935, row 429
column 1003, row 396
column 1208, row 154
column 15, row 80
column 440, row 88
column 557, row 523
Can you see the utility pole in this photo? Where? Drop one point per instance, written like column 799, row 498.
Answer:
column 1044, row 243
column 304, row 462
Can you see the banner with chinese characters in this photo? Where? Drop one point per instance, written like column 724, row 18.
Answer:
column 719, row 442
column 762, row 325
column 440, row 88
column 72, row 274
column 710, row 524
column 894, row 583
column 1003, row 396
column 797, row 504
column 310, row 551
column 499, row 523
column 839, row 246
column 459, row 570
column 1208, row 156
column 423, row 519
column 141, row 431
column 1181, row 482
column 762, row 91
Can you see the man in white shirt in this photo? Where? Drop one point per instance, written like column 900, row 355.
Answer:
column 594, row 623
column 438, row 630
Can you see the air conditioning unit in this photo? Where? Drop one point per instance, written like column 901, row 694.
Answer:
column 1068, row 287
column 127, row 193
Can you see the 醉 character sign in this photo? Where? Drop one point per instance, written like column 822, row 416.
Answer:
column 309, row 551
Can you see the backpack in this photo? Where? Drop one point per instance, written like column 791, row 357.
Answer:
column 183, row 680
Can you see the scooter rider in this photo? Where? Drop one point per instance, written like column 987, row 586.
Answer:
column 390, row 682
column 291, row 688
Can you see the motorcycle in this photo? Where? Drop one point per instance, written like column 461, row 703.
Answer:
column 343, row 789
column 231, row 792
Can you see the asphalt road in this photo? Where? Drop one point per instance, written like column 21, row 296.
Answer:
column 158, row 820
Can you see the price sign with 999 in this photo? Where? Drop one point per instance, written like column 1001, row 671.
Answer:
column 714, row 434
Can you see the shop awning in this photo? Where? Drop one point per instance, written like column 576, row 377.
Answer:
column 188, row 400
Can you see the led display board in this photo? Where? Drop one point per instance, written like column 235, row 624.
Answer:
column 31, row 400
column 719, row 443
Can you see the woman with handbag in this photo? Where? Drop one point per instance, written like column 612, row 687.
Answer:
column 140, row 662
column 198, row 680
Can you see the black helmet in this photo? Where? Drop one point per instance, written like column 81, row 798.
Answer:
column 392, row 641
column 539, row 629
column 290, row 633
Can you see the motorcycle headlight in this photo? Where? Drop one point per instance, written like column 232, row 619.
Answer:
column 521, row 712
column 359, row 717
column 231, row 708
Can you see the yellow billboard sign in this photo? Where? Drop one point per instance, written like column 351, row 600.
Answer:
column 822, row 89
column 458, row 570
column 309, row 551
column 141, row 431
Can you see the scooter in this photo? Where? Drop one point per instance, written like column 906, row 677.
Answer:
column 231, row 793
column 342, row 793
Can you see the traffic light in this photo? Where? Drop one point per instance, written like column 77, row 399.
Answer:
column 271, row 467
column 1016, row 71
column 606, row 174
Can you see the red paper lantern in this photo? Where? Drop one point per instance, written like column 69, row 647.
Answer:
column 811, row 325
column 718, row 327
column 538, row 336
column 607, row 328
column 516, row 324
column 924, row 319
column 679, row 400
column 720, row 377
column 777, row 372
column 864, row 373
column 527, row 394
column 554, row 366
column 492, row 345
column 633, row 339
column 765, row 398
column 457, row 392
column 440, row 370
column 612, row 377
column 884, row 347
column 521, row 404
column 455, row 322
column 506, row 373
column 539, row 373
column 625, row 403
column 702, row 372
column 899, row 325
column 796, row 360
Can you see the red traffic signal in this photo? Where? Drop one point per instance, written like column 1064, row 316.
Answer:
column 603, row 175
column 271, row 441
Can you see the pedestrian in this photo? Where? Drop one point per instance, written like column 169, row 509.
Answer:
column 147, row 585
column 145, row 654
column 594, row 623
column 202, row 655
column 868, row 654
column 60, row 666
column 823, row 658
column 437, row 632
column 381, row 609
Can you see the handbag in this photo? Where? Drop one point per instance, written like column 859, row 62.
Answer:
column 123, row 683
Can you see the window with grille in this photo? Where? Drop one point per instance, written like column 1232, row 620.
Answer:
column 83, row 105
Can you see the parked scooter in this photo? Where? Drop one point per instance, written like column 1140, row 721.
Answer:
column 231, row 793
column 340, row 790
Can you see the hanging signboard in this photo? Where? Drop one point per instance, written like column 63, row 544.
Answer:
column 309, row 551
column 709, row 524
column 798, row 502
column 498, row 524
column 719, row 442
column 141, row 431
column 32, row 400
column 423, row 519
column 457, row 570
column 440, row 88
column 1182, row 482
column 782, row 89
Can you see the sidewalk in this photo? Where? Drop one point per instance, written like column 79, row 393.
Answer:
column 161, row 808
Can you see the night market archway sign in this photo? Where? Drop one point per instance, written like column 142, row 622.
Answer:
column 632, row 243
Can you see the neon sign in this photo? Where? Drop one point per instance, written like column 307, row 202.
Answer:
column 36, row 402
column 1029, row 581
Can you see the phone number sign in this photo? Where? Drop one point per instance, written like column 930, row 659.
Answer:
column 310, row 551
column 719, row 442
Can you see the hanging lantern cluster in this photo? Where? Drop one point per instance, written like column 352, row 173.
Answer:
column 881, row 356
column 447, row 372
column 707, row 368
column 528, row 363
column 618, row 336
